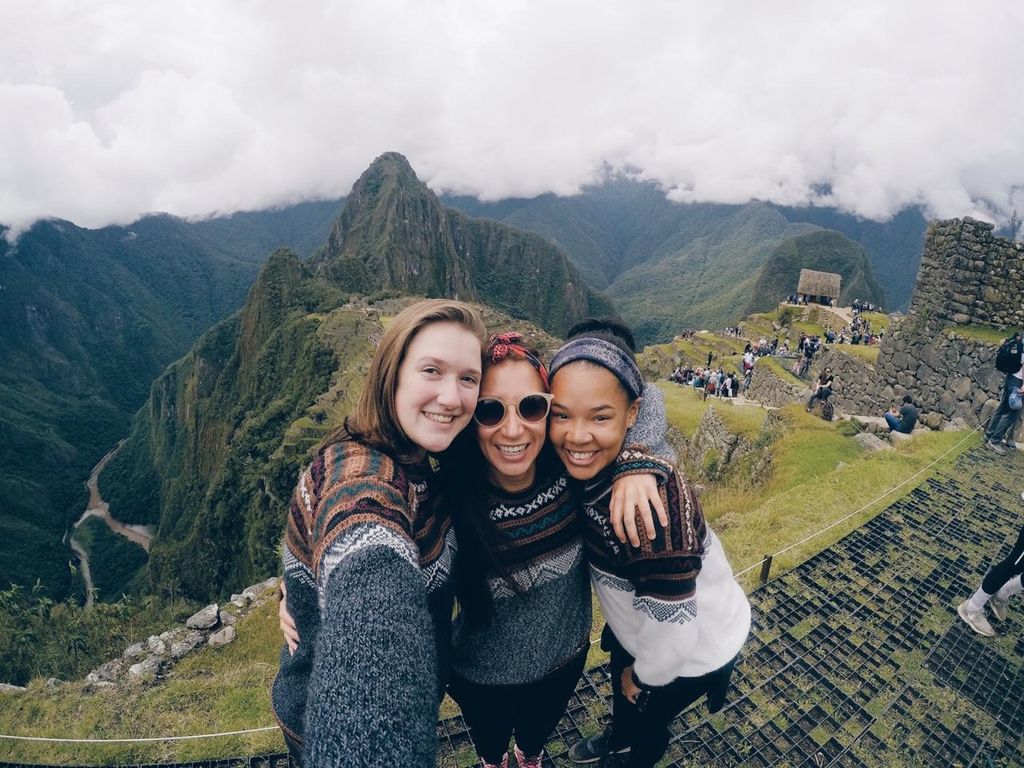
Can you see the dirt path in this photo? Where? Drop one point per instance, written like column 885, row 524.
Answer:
column 97, row 507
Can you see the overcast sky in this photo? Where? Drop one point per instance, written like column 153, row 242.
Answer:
column 114, row 108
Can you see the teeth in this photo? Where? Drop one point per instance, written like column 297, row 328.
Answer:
column 580, row 455
column 439, row 418
column 511, row 450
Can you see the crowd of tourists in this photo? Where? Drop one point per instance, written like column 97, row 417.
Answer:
column 471, row 473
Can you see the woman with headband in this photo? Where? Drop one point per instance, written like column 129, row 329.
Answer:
column 675, row 617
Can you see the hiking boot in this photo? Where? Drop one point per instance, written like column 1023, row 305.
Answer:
column 975, row 620
column 593, row 748
column 528, row 762
column 994, row 446
column 502, row 764
column 999, row 607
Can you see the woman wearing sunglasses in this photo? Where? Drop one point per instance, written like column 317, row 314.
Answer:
column 522, row 634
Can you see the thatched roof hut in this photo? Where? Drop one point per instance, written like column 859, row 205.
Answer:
column 819, row 284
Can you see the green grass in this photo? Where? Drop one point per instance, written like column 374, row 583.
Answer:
column 879, row 321
column 684, row 406
column 866, row 352
column 808, row 490
column 781, row 368
column 214, row 690
column 743, row 420
column 984, row 333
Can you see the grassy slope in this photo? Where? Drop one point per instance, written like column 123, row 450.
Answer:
column 984, row 333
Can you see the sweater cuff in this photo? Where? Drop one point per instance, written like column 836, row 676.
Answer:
column 640, row 683
column 635, row 460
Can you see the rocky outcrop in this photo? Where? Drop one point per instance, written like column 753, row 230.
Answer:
column 145, row 662
column 713, row 446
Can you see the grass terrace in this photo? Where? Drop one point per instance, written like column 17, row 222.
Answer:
column 986, row 334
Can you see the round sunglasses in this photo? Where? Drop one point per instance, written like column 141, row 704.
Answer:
column 491, row 412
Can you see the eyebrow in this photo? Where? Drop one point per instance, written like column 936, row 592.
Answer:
column 443, row 363
column 605, row 407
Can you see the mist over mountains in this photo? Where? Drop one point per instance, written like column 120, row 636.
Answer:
column 100, row 322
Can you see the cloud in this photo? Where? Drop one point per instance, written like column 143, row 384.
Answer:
column 115, row 108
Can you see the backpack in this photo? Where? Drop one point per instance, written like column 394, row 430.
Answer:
column 828, row 411
column 1007, row 360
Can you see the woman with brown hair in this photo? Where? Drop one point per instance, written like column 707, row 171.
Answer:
column 368, row 556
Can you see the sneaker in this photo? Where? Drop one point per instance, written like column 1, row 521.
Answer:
column 502, row 764
column 999, row 607
column 976, row 620
column 528, row 762
column 593, row 748
column 994, row 446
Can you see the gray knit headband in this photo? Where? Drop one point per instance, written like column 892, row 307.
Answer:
column 605, row 354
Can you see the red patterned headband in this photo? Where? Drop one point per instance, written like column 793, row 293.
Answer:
column 502, row 345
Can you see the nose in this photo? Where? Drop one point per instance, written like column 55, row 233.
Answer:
column 577, row 432
column 513, row 425
column 448, row 393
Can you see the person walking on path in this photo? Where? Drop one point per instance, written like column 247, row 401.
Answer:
column 1001, row 582
column 1010, row 361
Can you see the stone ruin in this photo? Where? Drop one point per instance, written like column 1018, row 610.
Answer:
column 968, row 277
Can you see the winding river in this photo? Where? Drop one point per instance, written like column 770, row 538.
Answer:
column 97, row 507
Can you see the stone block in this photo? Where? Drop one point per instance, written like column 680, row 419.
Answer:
column 956, row 424
column 156, row 646
column 207, row 618
column 899, row 437
column 8, row 688
column 146, row 669
column 134, row 651
column 961, row 387
column 223, row 637
column 870, row 442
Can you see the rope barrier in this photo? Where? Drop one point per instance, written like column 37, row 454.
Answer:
column 140, row 740
column 870, row 504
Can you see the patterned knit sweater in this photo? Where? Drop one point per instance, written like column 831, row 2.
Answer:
column 673, row 604
column 355, row 508
column 540, row 627
column 535, row 630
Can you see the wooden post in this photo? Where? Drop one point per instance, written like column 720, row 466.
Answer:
column 766, row 568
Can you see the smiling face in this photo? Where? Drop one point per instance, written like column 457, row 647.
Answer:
column 512, row 447
column 438, row 382
column 590, row 414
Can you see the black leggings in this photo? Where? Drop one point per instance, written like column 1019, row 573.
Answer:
column 530, row 711
column 644, row 726
column 1005, row 570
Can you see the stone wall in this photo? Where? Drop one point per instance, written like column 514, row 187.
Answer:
column 968, row 276
column 768, row 388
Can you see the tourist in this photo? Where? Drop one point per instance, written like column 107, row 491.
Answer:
column 822, row 388
column 675, row 616
column 904, row 419
column 368, row 554
column 1009, row 362
column 1001, row 582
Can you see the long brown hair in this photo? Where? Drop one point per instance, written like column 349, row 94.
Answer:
column 374, row 420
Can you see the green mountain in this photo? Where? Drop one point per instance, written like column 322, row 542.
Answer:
column 90, row 319
column 825, row 251
column 213, row 455
column 395, row 235
column 611, row 229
